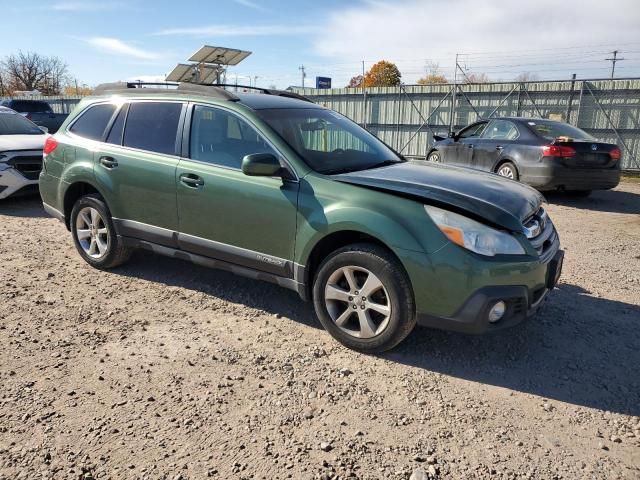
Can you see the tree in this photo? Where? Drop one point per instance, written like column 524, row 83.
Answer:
column 32, row 71
column 355, row 82
column 382, row 74
column 476, row 78
column 433, row 76
column 527, row 77
column 76, row 89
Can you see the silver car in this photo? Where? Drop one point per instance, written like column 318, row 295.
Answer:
column 21, row 143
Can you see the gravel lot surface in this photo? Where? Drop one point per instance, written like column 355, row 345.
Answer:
column 161, row 369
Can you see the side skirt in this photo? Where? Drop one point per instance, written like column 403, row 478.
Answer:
column 289, row 283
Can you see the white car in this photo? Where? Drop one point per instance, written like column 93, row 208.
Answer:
column 21, row 143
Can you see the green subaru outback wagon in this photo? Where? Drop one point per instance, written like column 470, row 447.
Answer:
column 274, row 187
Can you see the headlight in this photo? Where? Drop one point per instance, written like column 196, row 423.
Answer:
column 474, row 235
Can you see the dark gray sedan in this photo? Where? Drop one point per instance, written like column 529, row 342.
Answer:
column 545, row 154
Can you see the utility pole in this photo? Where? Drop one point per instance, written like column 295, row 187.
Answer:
column 255, row 80
column 613, row 61
column 304, row 74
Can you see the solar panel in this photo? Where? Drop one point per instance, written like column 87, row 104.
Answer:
column 184, row 72
column 181, row 73
column 219, row 55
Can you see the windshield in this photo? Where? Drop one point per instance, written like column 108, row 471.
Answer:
column 551, row 130
column 327, row 141
column 12, row 123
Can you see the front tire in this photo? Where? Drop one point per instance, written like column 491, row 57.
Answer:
column 434, row 157
column 94, row 234
column 363, row 298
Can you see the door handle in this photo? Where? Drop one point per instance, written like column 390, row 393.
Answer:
column 499, row 148
column 190, row 180
column 108, row 162
column 470, row 145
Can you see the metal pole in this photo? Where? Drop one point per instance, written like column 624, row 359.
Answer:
column 573, row 83
column 364, row 99
column 398, row 105
column 604, row 112
column 579, row 105
column 532, row 102
column 502, row 101
column 452, row 109
column 426, row 121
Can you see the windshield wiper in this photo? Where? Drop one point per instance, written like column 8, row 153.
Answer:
column 383, row 164
column 337, row 171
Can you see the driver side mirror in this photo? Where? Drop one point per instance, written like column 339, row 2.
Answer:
column 453, row 136
column 262, row 165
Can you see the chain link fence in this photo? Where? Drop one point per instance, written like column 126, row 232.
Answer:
column 407, row 117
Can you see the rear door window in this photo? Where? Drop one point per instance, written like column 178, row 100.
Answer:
column 501, row 130
column 92, row 123
column 153, row 126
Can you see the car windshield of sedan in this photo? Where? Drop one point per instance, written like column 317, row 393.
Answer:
column 327, row 141
column 551, row 130
column 12, row 123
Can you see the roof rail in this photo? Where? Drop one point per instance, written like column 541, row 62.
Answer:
column 207, row 90
column 267, row 91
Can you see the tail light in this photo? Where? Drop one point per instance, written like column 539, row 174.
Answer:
column 49, row 146
column 558, row 151
column 615, row 153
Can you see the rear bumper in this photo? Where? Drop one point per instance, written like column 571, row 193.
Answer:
column 11, row 180
column 522, row 302
column 559, row 177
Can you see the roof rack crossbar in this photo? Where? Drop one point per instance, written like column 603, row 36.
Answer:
column 207, row 90
column 267, row 91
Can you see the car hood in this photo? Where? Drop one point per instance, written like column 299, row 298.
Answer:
column 21, row 142
column 497, row 200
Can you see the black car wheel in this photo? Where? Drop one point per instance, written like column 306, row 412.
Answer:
column 363, row 298
column 508, row 170
column 434, row 157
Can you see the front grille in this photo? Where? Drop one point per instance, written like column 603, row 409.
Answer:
column 542, row 234
column 28, row 165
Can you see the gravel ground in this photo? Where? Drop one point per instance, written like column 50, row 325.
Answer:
column 161, row 369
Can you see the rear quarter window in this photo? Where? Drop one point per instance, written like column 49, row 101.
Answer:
column 93, row 121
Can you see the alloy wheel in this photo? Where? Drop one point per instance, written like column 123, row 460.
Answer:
column 92, row 232
column 506, row 171
column 357, row 302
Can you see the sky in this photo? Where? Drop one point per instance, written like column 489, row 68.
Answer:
column 110, row 40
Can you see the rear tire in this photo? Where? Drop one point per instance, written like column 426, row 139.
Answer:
column 363, row 298
column 578, row 193
column 508, row 170
column 94, row 234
